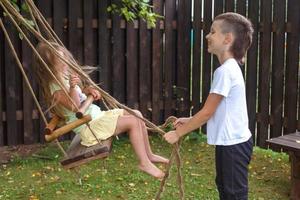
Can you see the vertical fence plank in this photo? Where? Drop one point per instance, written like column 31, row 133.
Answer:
column 2, row 142
column 157, row 57
column 264, row 73
column 28, row 123
column 241, row 9
column 145, row 69
column 74, row 33
column 28, row 106
column 45, row 8
column 118, row 58
column 170, row 55
column 229, row 5
column 298, row 121
column 11, row 87
column 132, row 72
column 104, row 46
column 218, row 9
column 88, row 36
column 207, row 68
column 292, row 65
column 197, row 43
column 59, row 13
column 251, row 75
column 277, row 69
column 184, row 59
column 207, row 57
column 89, row 39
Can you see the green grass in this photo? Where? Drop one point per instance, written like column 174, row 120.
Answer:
column 117, row 177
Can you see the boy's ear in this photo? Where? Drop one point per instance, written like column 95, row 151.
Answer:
column 228, row 38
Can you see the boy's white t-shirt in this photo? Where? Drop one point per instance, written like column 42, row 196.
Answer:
column 229, row 124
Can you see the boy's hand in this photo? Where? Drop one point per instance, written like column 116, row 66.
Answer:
column 92, row 91
column 171, row 137
column 180, row 121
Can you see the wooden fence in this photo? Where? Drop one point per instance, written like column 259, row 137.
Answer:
column 165, row 70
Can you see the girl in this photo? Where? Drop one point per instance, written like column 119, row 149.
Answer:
column 225, row 109
column 104, row 123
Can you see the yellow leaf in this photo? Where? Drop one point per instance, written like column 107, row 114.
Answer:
column 131, row 184
column 33, row 197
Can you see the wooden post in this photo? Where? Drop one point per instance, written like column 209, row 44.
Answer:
column 295, row 175
column 51, row 126
column 63, row 130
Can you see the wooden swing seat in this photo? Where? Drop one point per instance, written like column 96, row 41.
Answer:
column 77, row 154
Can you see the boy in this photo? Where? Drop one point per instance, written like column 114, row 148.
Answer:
column 225, row 109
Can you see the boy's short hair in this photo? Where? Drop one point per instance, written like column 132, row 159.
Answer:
column 242, row 29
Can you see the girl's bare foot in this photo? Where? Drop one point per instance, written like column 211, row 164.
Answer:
column 158, row 159
column 152, row 170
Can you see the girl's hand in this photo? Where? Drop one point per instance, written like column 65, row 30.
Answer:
column 74, row 80
column 180, row 121
column 92, row 91
column 171, row 137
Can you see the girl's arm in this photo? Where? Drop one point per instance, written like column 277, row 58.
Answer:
column 61, row 98
column 200, row 118
column 89, row 90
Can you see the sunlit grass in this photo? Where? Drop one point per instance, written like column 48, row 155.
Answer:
column 117, row 177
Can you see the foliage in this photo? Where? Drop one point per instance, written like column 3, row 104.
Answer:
column 129, row 9
column 133, row 9
column 117, row 177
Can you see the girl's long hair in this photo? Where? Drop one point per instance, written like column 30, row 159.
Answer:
column 44, row 77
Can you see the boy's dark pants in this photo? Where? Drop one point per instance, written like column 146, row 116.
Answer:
column 232, row 170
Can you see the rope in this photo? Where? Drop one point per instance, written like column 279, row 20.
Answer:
column 27, row 80
column 22, row 71
column 73, row 65
column 44, row 64
column 49, row 31
column 33, row 18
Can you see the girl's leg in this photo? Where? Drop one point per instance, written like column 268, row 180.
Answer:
column 130, row 124
column 153, row 157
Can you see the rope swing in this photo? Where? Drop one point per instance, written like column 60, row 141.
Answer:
column 42, row 26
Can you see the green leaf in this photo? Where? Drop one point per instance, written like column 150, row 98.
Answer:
column 24, row 7
column 16, row 6
column 21, row 36
column 30, row 22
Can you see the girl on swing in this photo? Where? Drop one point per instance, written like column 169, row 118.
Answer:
column 104, row 124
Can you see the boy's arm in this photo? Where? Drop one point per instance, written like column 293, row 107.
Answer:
column 200, row 118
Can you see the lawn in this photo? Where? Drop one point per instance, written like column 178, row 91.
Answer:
column 117, row 177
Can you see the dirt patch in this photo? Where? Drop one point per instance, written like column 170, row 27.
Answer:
column 7, row 153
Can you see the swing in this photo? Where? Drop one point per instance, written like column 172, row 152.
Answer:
column 77, row 154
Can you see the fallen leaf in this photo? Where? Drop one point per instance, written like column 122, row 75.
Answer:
column 131, row 184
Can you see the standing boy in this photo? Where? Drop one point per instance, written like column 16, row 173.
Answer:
column 225, row 109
